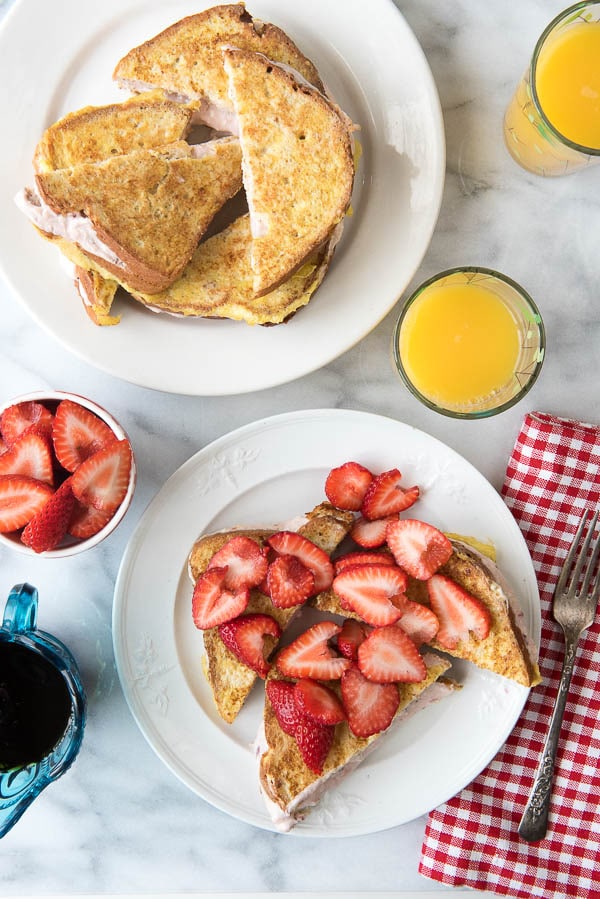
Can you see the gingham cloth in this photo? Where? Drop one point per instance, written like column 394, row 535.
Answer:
column 552, row 476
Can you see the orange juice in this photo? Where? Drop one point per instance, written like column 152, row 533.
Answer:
column 567, row 80
column 459, row 344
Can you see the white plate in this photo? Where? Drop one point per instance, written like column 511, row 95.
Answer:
column 262, row 474
column 380, row 77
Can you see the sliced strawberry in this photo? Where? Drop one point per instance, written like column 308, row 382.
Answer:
column 213, row 603
column 350, row 637
column 102, row 480
column 318, row 702
column 459, row 612
column 289, row 543
column 370, row 534
column 346, row 486
column 418, row 547
column 20, row 499
column 417, row 620
column 310, row 655
column 3, row 447
column 49, row 525
column 370, row 707
column 368, row 590
column 245, row 560
column 77, row 434
column 86, row 521
column 30, row 455
column 349, row 560
column 289, row 582
column 314, row 742
column 22, row 417
column 245, row 637
column 386, row 496
column 281, row 697
column 389, row 656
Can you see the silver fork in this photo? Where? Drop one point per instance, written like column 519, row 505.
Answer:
column 574, row 608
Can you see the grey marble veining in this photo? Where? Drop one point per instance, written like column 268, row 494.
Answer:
column 119, row 821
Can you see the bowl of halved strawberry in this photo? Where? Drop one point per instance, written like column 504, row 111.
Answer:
column 67, row 473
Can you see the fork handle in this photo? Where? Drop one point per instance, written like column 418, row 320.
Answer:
column 534, row 822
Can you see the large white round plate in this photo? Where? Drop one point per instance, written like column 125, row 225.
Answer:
column 376, row 70
column 263, row 474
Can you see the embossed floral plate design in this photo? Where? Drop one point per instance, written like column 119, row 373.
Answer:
column 379, row 76
column 260, row 475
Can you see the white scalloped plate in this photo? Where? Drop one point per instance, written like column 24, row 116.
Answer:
column 261, row 474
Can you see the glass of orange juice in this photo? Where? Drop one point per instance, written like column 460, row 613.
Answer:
column 552, row 124
column 469, row 343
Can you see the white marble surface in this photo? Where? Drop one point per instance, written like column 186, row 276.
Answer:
column 119, row 822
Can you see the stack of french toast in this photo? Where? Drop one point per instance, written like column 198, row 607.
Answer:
column 390, row 601
column 218, row 189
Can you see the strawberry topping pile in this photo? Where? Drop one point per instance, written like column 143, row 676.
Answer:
column 63, row 473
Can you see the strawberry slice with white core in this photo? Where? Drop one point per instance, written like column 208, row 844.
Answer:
column 350, row 637
column 20, row 499
column 245, row 560
column 281, row 697
column 349, row 560
column 346, row 486
column 77, row 434
column 370, row 707
column 22, row 417
column 49, row 525
column 370, row 534
column 368, row 590
column 289, row 582
column 86, row 521
column 460, row 613
column 418, row 621
column 103, row 479
column 213, row 603
column 419, row 548
column 30, row 455
column 318, row 702
column 389, row 656
column 245, row 638
column 292, row 544
column 310, row 654
column 385, row 496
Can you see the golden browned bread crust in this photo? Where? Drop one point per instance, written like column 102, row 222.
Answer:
column 297, row 162
column 150, row 207
column 187, row 57
column 97, row 294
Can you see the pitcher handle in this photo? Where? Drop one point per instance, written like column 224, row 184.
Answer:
column 20, row 612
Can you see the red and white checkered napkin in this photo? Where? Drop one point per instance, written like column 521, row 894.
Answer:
column 552, row 476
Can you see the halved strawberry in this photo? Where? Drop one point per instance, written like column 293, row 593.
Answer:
column 370, row 534
column 49, row 524
column 418, row 621
column 289, row 582
column 388, row 656
column 368, row 590
column 349, row 560
column 245, row 637
column 20, row 499
column 293, row 544
column 459, row 612
column 347, row 484
column 350, row 637
column 386, row 496
column 22, row 417
column 102, row 480
column 281, row 697
column 30, row 455
column 86, row 521
column 245, row 561
column 314, row 742
column 77, row 434
column 318, row 702
column 370, row 707
column 310, row 655
column 213, row 603
column 419, row 548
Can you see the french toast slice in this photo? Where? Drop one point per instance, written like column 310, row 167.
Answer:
column 230, row 679
column 290, row 788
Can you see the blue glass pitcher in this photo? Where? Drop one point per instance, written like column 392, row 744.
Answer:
column 42, row 707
